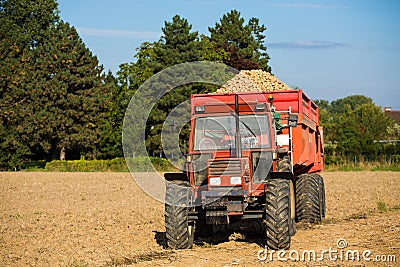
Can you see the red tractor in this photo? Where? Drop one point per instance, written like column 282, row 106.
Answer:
column 252, row 156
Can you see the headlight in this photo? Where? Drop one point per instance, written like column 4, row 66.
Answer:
column 215, row 181
column 236, row 180
column 260, row 106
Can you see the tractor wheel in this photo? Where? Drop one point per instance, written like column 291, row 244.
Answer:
column 310, row 198
column 322, row 195
column 277, row 214
column 284, row 165
column 292, row 225
column 179, row 231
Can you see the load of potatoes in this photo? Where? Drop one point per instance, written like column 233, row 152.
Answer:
column 253, row 81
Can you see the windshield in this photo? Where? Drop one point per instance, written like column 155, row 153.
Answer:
column 218, row 133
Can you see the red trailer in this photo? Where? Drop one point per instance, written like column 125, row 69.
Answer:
column 307, row 139
column 252, row 156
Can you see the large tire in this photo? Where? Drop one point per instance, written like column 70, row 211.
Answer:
column 310, row 198
column 277, row 214
column 285, row 165
column 292, row 226
column 179, row 231
column 322, row 195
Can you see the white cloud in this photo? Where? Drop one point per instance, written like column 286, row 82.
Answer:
column 305, row 5
column 118, row 33
column 306, row 45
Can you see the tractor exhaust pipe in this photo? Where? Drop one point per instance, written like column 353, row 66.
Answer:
column 238, row 145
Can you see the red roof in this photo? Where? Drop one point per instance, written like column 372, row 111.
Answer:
column 395, row 114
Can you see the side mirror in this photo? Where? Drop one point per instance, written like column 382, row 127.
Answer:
column 292, row 120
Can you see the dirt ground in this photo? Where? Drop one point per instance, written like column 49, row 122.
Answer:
column 104, row 219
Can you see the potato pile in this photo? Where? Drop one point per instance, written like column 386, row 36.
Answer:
column 253, row 81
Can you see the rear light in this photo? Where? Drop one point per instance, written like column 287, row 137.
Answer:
column 236, row 180
column 215, row 181
column 199, row 109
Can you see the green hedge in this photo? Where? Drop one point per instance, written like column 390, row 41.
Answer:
column 139, row 164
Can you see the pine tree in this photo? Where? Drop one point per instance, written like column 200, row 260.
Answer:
column 52, row 90
column 69, row 93
column 177, row 44
column 22, row 27
column 243, row 42
column 111, row 128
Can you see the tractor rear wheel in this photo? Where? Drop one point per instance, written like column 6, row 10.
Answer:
column 310, row 198
column 322, row 195
column 179, row 230
column 277, row 214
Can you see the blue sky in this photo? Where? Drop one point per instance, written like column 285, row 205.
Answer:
column 330, row 49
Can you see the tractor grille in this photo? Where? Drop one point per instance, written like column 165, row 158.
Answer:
column 224, row 167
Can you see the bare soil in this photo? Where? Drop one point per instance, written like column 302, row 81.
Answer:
column 105, row 219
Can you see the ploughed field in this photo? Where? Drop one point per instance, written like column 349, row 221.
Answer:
column 105, row 219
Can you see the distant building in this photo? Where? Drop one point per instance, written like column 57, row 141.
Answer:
column 395, row 114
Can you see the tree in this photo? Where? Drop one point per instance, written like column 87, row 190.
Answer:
column 71, row 93
column 355, row 132
column 53, row 99
column 348, row 103
column 243, row 42
column 22, row 27
column 351, row 125
column 110, row 145
column 331, row 112
column 177, row 44
column 323, row 106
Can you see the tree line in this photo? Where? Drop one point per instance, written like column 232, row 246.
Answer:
column 57, row 102
column 357, row 130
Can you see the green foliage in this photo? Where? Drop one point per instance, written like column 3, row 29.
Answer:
column 138, row 164
column 68, row 93
column 382, row 207
column 349, row 103
column 23, row 25
column 243, row 42
column 110, row 144
column 352, row 127
column 53, row 95
column 357, row 130
column 117, row 164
